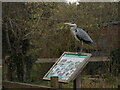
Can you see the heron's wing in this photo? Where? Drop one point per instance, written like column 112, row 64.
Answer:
column 81, row 34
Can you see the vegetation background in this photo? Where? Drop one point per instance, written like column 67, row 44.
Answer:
column 33, row 30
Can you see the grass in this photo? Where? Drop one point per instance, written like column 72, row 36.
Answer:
column 39, row 70
column 99, row 82
column 87, row 81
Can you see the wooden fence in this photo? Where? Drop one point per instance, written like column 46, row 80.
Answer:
column 9, row 84
column 52, row 60
column 54, row 81
column 16, row 85
column 92, row 67
column 55, row 85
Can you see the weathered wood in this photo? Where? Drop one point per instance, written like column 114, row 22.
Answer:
column 119, row 81
column 9, row 84
column 53, row 60
column 118, row 86
column 60, row 85
column 77, row 83
column 54, row 82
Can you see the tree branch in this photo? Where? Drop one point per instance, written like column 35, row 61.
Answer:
column 12, row 28
column 8, row 40
column 33, row 29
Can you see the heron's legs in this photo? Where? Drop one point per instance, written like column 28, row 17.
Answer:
column 81, row 47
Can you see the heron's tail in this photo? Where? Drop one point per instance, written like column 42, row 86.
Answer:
column 92, row 43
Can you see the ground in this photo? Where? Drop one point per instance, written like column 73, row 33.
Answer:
column 0, row 78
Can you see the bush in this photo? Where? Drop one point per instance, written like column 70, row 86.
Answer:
column 115, row 61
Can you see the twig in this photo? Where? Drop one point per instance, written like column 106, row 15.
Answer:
column 33, row 29
column 18, row 27
column 12, row 27
column 7, row 36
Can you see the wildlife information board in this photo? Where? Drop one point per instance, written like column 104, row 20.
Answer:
column 68, row 66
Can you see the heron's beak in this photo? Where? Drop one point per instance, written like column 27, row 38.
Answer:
column 67, row 23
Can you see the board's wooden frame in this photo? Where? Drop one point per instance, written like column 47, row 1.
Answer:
column 77, row 71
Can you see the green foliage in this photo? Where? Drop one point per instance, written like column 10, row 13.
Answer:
column 52, row 37
column 37, row 30
column 15, row 41
column 39, row 70
column 115, row 62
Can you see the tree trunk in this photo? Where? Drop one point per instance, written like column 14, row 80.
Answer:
column 9, row 68
column 24, row 69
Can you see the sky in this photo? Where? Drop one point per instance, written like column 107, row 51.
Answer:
column 59, row 0
column 72, row 1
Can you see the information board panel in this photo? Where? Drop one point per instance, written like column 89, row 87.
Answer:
column 68, row 66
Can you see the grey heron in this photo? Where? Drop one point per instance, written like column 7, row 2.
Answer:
column 80, row 34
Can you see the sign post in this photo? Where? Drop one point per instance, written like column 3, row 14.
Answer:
column 54, row 82
column 68, row 67
column 77, row 83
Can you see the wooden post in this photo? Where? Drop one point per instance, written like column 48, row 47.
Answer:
column 60, row 85
column 54, row 82
column 77, row 83
column 119, row 81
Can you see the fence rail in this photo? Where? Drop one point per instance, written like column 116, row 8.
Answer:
column 9, row 84
column 92, row 59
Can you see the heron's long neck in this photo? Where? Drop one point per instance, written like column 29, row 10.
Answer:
column 73, row 30
column 74, row 27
